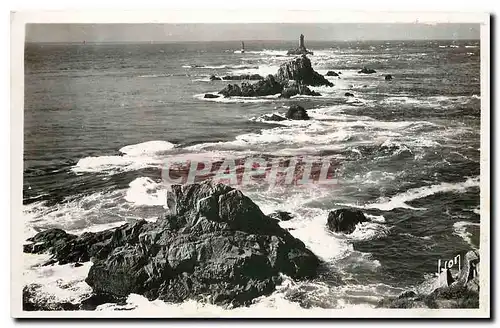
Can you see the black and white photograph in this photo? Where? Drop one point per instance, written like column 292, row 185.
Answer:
column 275, row 169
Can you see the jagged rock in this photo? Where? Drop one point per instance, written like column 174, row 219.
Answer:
column 209, row 95
column 365, row 70
column 388, row 77
column 215, row 242
column 267, row 87
column 243, row 77
column 296, row 112
column 332, row 73
column 348, row 94
column 447, row 292
column 345, row 220
column 301, row 71
column 281, row 215
column 215, row 78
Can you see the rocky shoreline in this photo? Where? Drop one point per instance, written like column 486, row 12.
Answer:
column 213, row 245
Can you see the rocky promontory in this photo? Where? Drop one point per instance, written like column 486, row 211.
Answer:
column 213, row 244
column 292, row 78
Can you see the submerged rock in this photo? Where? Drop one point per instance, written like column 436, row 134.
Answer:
column 348, row 94
column 281, row 215
column 209, row 95
column 296, row 112
column 388, row 77
column 345, row 220
column 462, row 292
column 273, row 118
column 366, row 70
column 214, row 243
column 332, row 73
column 215, row 78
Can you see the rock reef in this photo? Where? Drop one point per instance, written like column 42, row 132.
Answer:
column 292, row 78
column 214, row 244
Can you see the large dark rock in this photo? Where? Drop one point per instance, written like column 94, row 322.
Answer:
column 296, row 112
column 349, row 94
column 388, row 77
column 345, row 220
column 366, row 70
column 301, row 71
column 448, row 292
column 215, row 243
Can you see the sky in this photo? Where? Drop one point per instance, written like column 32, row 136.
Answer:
column 232, row 32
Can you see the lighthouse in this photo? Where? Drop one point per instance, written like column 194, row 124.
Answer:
column 301, row 50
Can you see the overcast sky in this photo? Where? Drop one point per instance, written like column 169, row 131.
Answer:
column 230, row 32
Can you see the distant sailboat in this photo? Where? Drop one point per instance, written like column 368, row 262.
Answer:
column 242, row 47
column 84, row 42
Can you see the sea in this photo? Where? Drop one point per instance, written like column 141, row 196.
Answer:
column 100, row 120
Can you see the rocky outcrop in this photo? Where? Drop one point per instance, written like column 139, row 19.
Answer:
column 345, row 220
column 332, row 73
column 366, row 70
column 291, row 79
column 215, row 244
column 301, row 71
column 461, row 291
column 296, row 112
column 267, row 87
column 388, row 77
column 349, row 94
column 215, row 78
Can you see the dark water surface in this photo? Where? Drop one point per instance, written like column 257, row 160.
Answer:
column 408, row 149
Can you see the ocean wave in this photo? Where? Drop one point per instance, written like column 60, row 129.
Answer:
column 221, row 66
column 145, row 191
column 56, row 283
column 400, row 200
column 135, row 157
column 460, row 229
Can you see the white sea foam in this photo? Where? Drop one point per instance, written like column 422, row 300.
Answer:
column 138, row 156
column 460, row 229
column 145, row 191
column 56, row 283
column 147, row 148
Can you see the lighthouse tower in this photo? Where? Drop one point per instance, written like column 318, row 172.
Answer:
column 301, row 42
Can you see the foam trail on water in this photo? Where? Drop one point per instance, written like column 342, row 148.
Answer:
column 399, row 200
